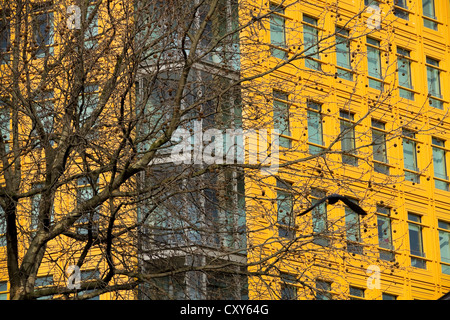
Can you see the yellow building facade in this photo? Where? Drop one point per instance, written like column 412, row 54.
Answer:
column 381, row 72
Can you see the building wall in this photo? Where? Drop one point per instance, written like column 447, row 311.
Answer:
column 362, row 182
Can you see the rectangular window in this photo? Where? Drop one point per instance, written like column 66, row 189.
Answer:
column 92, row 29
column 387, row 296
column 353, row 230
column 45, row 113
column 404, row 74
column 35, row 202
column 444, row 244
column 434, row 83
column 43, row 33
column 87, row 275
column 384, row 224
column 343, row 56
column 5, row 39
column 440, row 164
column 374, row 64
column 323, row 290
column 278, row 31
column 410, row 156
column 416, row 241
column 371, row 3
column 3, row 290
column 379, row 147
column 348, row 142
column 213, row 219
column 311, row 43
column 400, row 10
column 2, row 228
column 87, row 102
column 285, row 215
column 44, row 281
column 281, row 117
column 288, row 288
column 429, row 14
column 315, row 130
column 319, row 218
column 356, row 293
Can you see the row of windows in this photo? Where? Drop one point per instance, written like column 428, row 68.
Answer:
column 286, row 222
column 403, row 9
column 381, row 164
column 44, row 106
column 344, row 58
column 289, row 290
column 85, row 191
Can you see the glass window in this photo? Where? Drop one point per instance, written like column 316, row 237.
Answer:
column 311, row 43
column 410, row 156
column 343, row 57
column 371, row 3
column 281, row 117
column 384, row 224
column 429, row 11
column 35, row 202
column 5, row 123
column 416, row 241
column 374, row 64
column 323, row 290
column 319, row 218
column 45, row 112
column 352, row 224
column 444, row 245
column 356, row 293
column 92, row 29
column 404, row 74
column 348, row 143
column 353, row 230
column 87, row 102
column 43, row 282
column 285, row 204
column 87, row 275
column 434, row 83
column 85, row 191
column 43, row 32
column 315, row 131
column 288, row 288
column 399, row 13
column 2, row 228
column 440, row 164
column 379, row 147
column 278, row 31
column 3, row 290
